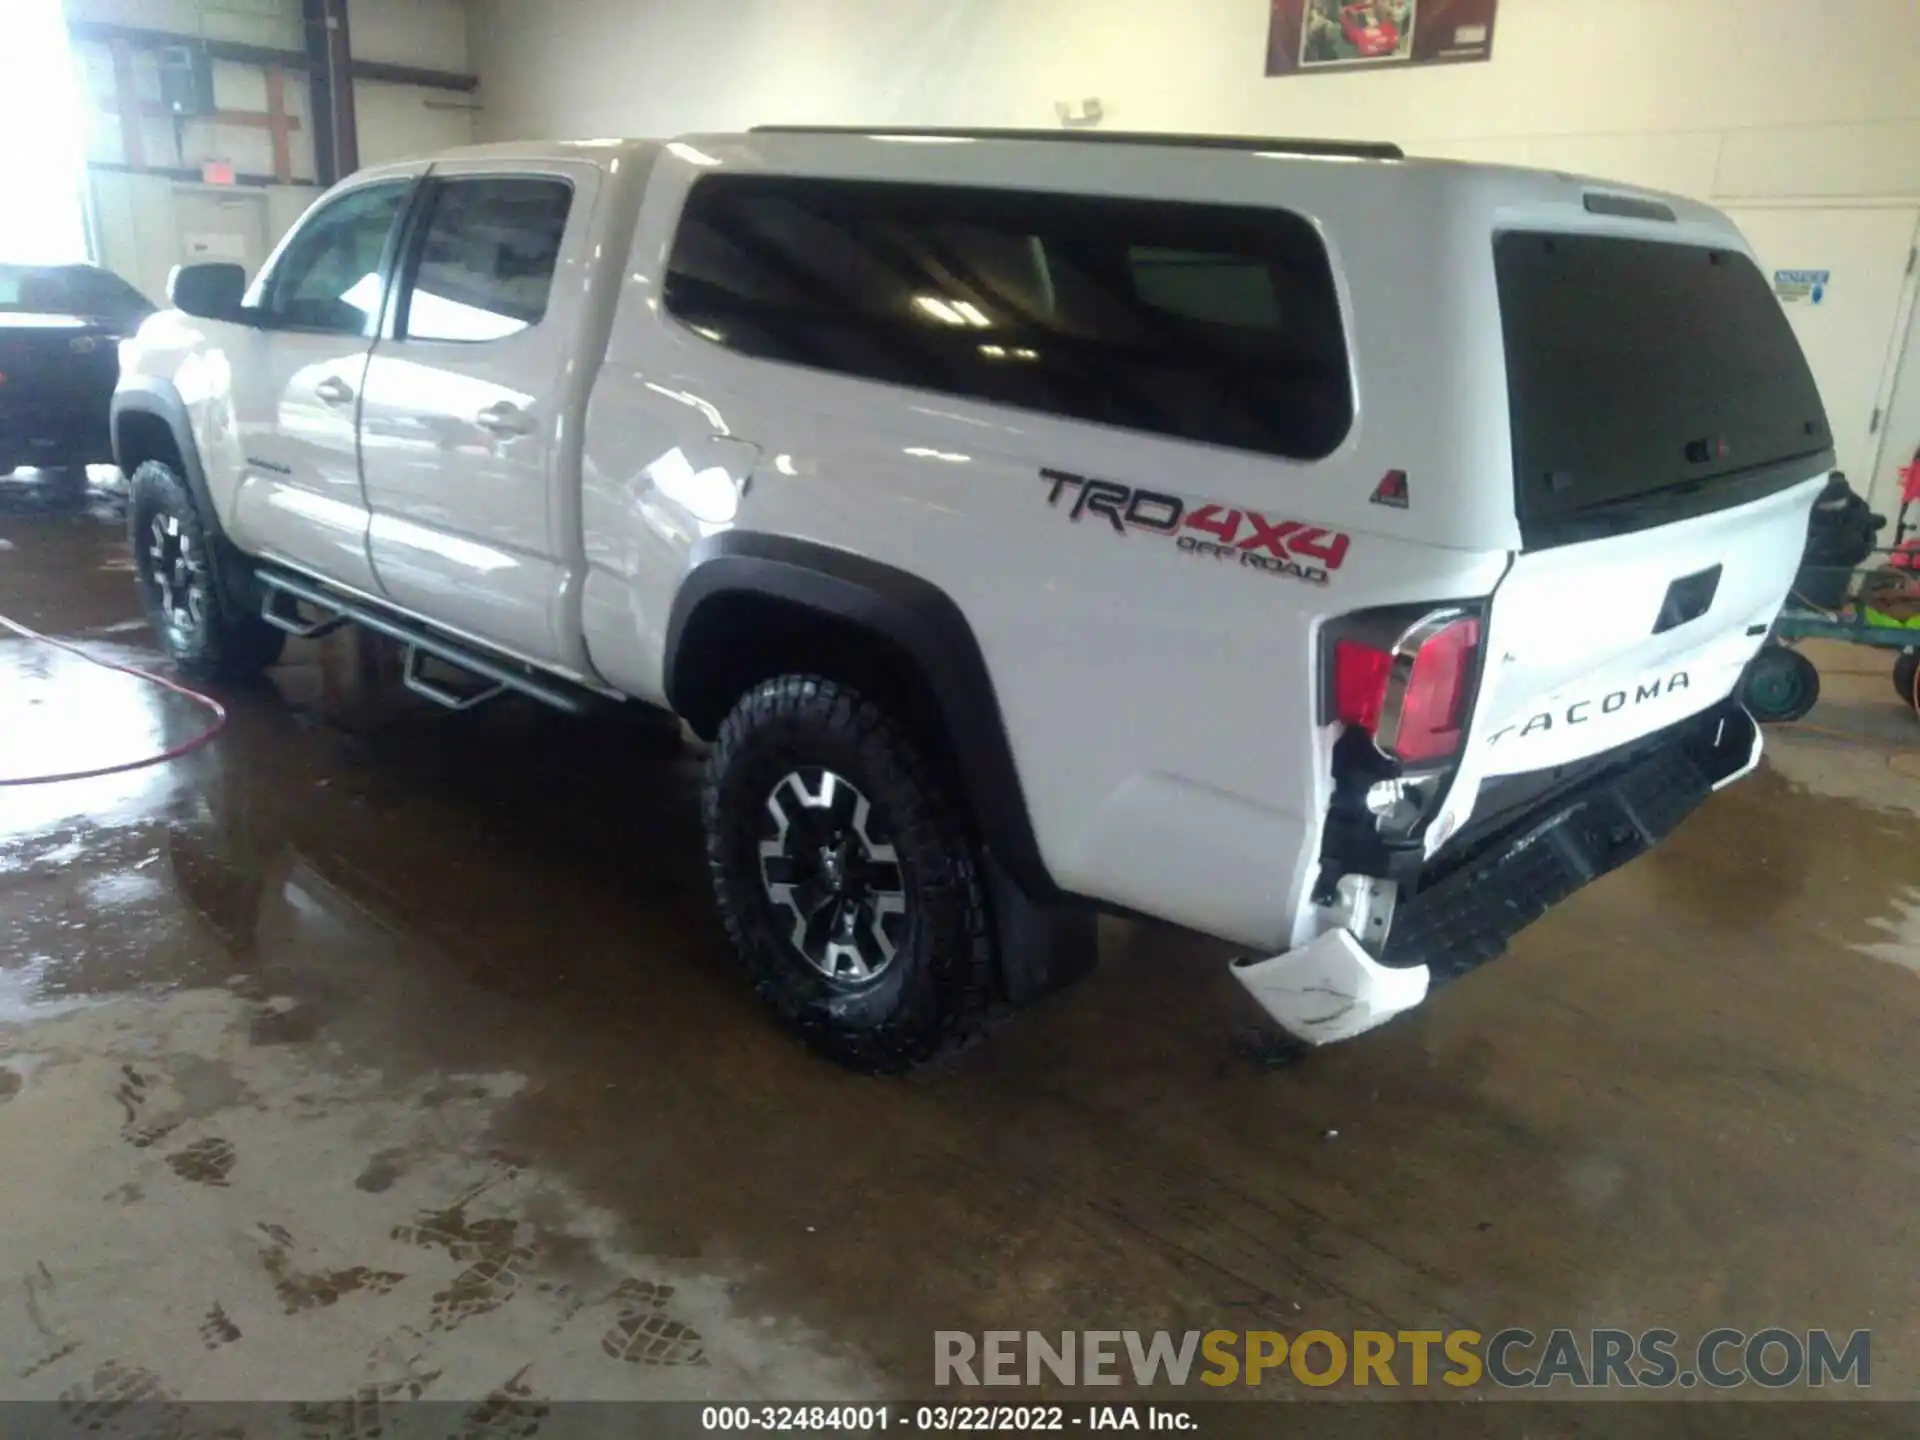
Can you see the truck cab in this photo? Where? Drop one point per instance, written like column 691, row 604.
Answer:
column 394, row 403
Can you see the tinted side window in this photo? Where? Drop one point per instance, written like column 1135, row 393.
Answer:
column 1636, row 367
column 1223, row 289
column 487, row 258
column 328, row 278
column 1205, row 322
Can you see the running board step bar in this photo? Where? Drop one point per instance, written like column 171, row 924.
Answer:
column 283, row 594
column 440, row 694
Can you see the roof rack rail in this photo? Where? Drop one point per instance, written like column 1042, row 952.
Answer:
column 1350, row 149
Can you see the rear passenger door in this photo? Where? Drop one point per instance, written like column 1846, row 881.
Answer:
column 461, row 423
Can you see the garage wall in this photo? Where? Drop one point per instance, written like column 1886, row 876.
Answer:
column 256, row 22
column 1709, row 97
column 148, row 212
column 400, row 120
column 1807, row 105
column 1902, row 427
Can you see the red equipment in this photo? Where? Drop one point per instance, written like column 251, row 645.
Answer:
column 1906, row 553
column 1367, row 32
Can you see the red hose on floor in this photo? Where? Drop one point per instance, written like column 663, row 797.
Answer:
column 173, row 753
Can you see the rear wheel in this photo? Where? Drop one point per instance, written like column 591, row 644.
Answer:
column 1780, row 685
column 846, row 877
column 187, row 582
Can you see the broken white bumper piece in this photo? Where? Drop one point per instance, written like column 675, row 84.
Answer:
column 1330, row 989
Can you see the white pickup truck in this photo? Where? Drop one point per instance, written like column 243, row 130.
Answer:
column 1345, row 555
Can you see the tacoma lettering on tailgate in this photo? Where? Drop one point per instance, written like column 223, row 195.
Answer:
column 1582, row 711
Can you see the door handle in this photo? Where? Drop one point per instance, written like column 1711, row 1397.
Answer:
column 503, row 417
column 334, row 391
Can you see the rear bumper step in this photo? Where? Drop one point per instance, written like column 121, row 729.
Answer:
column 1492, row 886
column 1498, row 878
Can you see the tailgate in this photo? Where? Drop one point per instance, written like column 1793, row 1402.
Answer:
column 1668, row 445
column 1590, row 646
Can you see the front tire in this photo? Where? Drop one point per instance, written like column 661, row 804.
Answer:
column 187, row 580
column 847, row 879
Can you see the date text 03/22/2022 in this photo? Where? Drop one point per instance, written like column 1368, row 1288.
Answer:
column 937, row 1419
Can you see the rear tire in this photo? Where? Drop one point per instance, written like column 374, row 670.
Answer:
column 847, row 879
column 188, row 579
column 1780, row 685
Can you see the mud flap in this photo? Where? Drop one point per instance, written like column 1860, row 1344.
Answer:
column 1331, row 989
column 1041, row 947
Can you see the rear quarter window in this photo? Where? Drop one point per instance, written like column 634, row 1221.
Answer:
column 1203, row 322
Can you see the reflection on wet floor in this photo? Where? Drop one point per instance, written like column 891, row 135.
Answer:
column 62, row 715
column 407, row 1056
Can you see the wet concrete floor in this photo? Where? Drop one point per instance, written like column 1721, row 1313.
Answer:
column 375, row 1050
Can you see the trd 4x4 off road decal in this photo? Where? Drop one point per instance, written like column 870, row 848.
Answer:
column 1245, row 538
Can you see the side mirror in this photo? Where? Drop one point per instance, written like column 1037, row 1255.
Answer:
column 211, row 291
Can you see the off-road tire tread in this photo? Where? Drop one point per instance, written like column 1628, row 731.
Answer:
column 234, row 644
column 949, row 1005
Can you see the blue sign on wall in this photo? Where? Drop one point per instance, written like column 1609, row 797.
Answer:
column 1801, row 287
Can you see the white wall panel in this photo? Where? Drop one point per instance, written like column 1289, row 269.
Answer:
column 429, row 33
column 1811, row 97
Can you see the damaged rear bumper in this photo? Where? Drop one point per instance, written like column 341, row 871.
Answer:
column 1503, row 872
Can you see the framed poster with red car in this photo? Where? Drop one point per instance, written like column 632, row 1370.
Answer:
column 1308, row 36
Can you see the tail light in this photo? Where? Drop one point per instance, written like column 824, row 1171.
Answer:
column 1401, row 681
column 1411, row 696
column 1360, row 683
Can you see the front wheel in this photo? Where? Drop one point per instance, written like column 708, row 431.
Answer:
column 181, row 571
column 847, row 879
